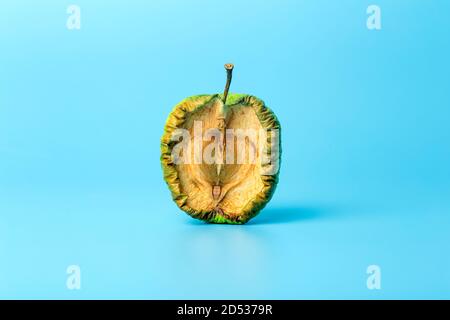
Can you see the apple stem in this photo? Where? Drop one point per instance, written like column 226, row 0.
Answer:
column 229, row 67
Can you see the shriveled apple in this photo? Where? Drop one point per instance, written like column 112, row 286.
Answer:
column 220, row 155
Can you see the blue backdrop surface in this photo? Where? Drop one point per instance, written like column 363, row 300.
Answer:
column 365, row 175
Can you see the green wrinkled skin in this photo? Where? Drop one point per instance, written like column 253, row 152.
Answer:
column 176, row 119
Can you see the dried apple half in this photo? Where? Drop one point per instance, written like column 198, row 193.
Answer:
column 220, row 155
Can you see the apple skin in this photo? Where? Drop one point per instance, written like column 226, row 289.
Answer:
column 175, row 120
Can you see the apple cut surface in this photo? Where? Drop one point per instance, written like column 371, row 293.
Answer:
column 235, row 188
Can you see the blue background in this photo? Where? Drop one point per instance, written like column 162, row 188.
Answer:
column 365, row 176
